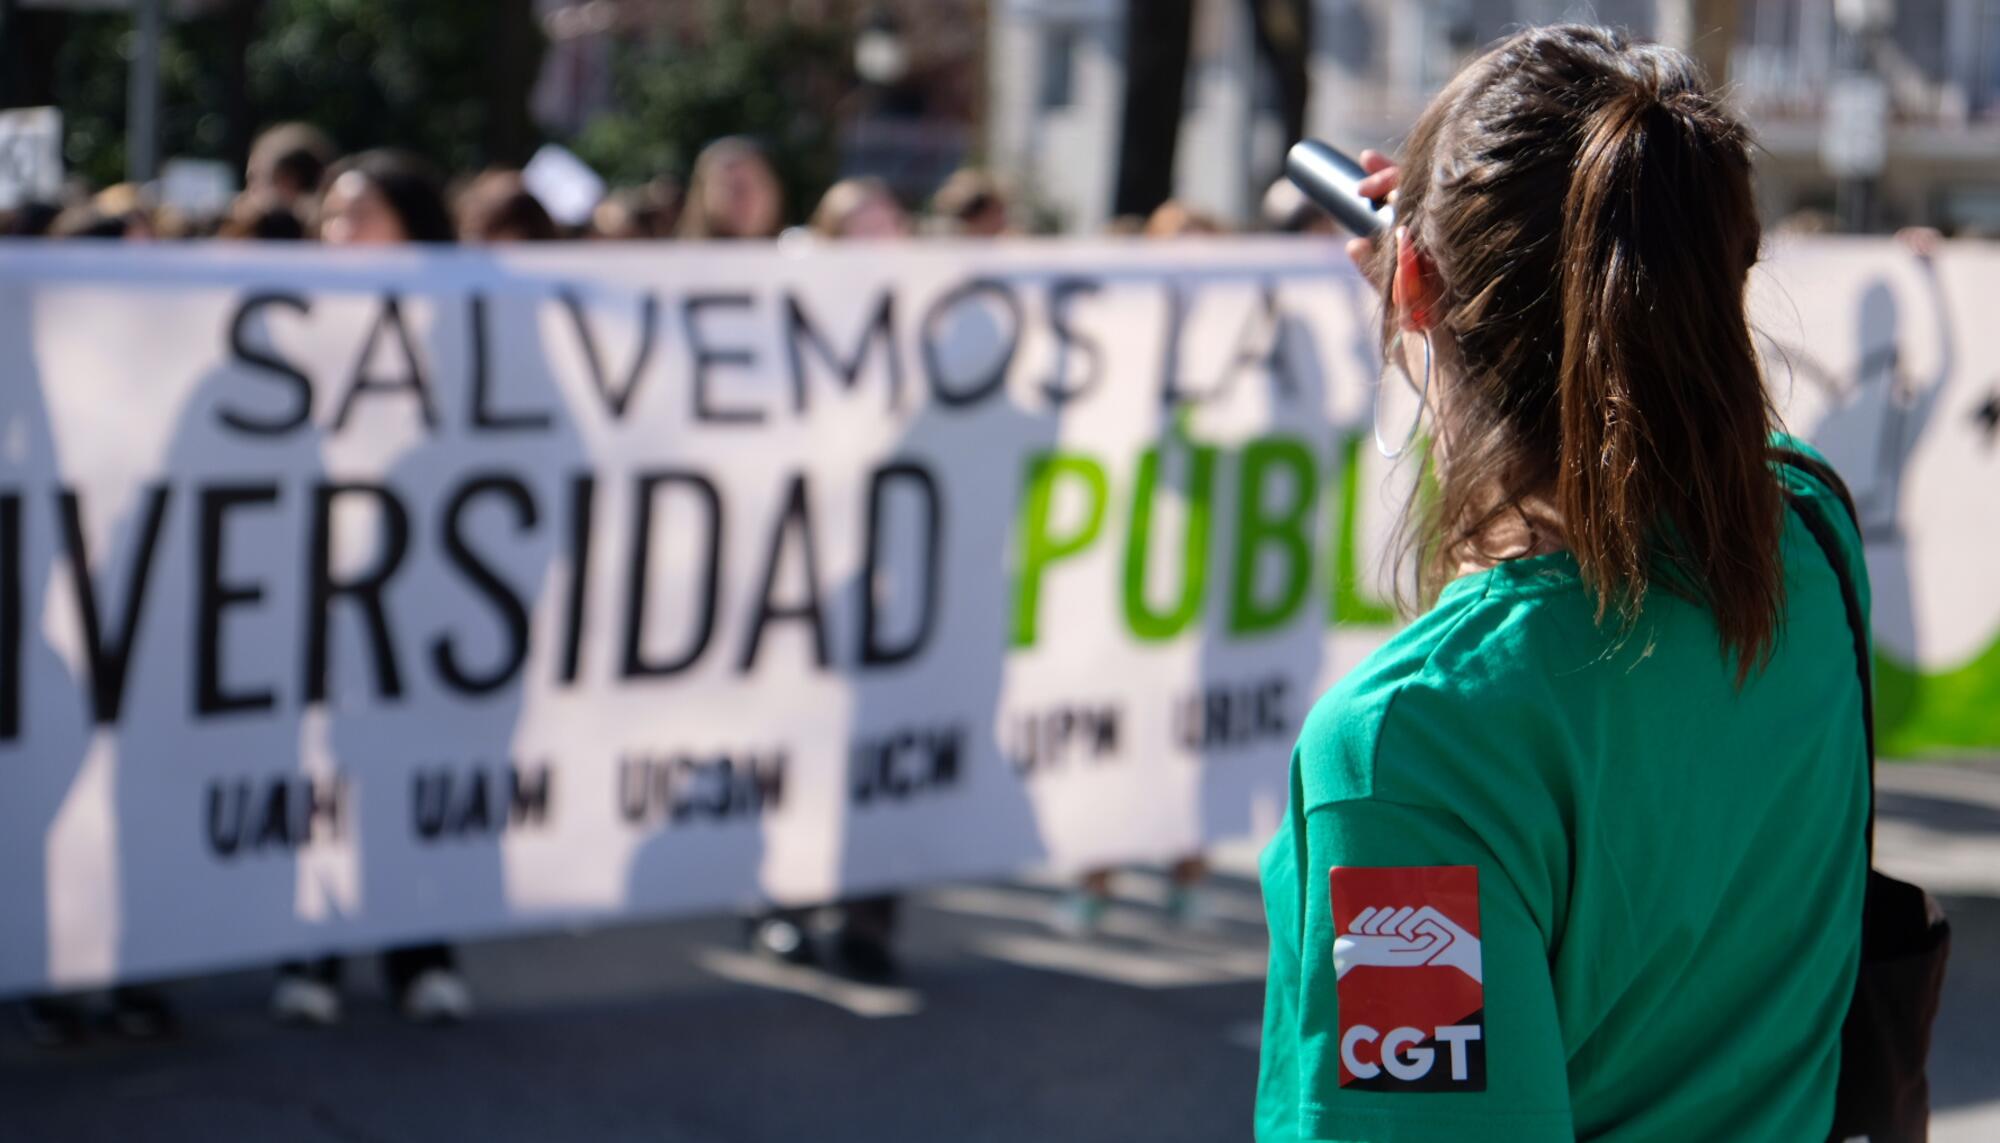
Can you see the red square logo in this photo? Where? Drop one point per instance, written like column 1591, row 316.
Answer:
column 1411, row 990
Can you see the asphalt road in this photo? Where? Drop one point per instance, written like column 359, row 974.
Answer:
column 998, row 1031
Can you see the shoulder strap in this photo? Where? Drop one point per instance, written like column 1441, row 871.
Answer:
column 1823, row 472
column 1829, row 546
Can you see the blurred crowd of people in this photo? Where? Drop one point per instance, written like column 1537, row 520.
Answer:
column 298, row 187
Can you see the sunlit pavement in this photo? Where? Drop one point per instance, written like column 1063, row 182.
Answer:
column 1939, row 826
column 999, row 1029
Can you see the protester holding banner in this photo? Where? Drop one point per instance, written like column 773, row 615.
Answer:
column 972, row 204
column 1579, row 853
column 497, row 207
column 383, row 198
column 862, row 929
column 733, row 193
column 380, row 198
column 287, row 164
column 860, row 208
column 1080, row 913
column 130, row 1011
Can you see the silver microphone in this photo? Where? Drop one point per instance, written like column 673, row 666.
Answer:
column 1329, row 178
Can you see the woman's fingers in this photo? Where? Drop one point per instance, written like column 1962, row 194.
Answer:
column 1383, row 175
column 1362, row 252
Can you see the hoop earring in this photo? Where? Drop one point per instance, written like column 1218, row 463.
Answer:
column 1423, row 400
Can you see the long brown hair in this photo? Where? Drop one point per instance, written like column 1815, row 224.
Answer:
column 1587, row 206
column 701, row 216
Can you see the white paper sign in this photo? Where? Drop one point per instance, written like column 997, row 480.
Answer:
column 31, row 165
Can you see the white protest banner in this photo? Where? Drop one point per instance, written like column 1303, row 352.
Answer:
column 1883, row 360
column 31, row 162
column 349, row 599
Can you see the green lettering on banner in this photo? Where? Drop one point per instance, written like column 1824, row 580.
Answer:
column 1350, row 606
column 1925, row 713
column 1038, row 548
column 1285, row 531
column 1146, row 623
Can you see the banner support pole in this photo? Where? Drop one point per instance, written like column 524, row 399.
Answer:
column 142, row 97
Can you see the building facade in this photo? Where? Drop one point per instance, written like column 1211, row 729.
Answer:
column 1056, row 72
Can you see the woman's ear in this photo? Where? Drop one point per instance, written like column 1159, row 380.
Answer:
column 1414, row 289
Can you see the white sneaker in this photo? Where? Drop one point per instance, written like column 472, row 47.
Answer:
column 1190, row 908
column 437, row 996
column 1079, row 915
column 304, row 1000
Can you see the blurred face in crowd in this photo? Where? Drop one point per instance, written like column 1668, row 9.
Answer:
column 989, row 221
column 356, row 214
column 744, row 197
column 878, row 216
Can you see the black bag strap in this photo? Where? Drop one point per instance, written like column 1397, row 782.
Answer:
column 1857, row 625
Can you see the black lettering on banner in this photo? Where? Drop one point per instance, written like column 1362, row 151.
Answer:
column 947, row 392
column 616, row 397
column 325, row 804
column 215, row 595
column 476, row 811
column 635, row 789
column 109, row 647
column 1216, row 707
column 705, row 786
column 1234, row 714
column 679, row 787
column 365, row 589
column 1265, row 352
column 274, row 823
column 902, row 764
column 507, row 604
column 225, row 817
column 13, row 633
column 1049, row 739
column 390, row 320
column 287, row 813
column 1104, row 734
column 636, row 664
column 880, row 330
column 1252, row 351
column 707, row 358
column 528, row 796
column 430, row 800
column 483, row 415
column 876, row 648
column 268, row 361
column 447, row 802
column 1172, row 393
column 1063, row 292
column 796, row 516
column 582, row 497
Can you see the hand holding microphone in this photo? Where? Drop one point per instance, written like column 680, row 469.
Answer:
column 1357, row 194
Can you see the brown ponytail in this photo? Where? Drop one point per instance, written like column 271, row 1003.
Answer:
column 1588, row 207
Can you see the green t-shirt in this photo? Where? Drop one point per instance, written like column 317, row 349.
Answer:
column 1545, row 880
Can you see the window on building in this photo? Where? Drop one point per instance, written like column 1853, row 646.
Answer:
column 1264, row 88
column 1059, row 43
column 1986, row 56
column 1920, row 34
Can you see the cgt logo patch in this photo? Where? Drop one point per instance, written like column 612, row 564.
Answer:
column 1411, row 990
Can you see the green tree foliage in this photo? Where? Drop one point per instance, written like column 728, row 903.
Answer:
column 90, row 76
column 777, row 84
column 409, row 73
column 448, row 79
